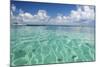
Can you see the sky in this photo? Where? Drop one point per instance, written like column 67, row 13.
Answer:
column 51, row 13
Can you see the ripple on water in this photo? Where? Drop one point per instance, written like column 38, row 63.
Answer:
column 20, row 61
column 86, row 53
column 44, row 46
column 19, row 54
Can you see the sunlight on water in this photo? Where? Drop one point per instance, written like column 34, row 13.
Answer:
column 45, row 45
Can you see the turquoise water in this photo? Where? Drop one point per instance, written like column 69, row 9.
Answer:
column 31, row 45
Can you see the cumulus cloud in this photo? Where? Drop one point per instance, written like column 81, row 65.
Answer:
column 27, row 18
column 83, row 14
column 13, row 8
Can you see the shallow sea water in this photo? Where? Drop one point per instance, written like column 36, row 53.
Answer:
column 32, row 45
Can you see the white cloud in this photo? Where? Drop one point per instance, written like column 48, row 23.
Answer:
column 13, row 7
column 41, row 16
column 27, row 18
column 59, row 19
column 83, row 14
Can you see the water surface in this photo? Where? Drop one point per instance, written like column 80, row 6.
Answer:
column 51, row 44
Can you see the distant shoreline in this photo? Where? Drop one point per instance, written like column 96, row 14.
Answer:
column 54, row 25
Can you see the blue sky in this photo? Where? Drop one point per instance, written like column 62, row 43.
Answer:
column 52, row 9
column 51, row 13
